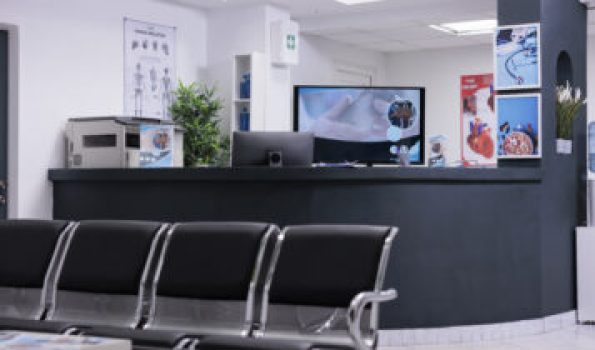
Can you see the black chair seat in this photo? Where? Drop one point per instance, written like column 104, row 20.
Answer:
column 240, row 343
column 33, row 325
column 140, row 337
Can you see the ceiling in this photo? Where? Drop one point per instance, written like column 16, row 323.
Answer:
column 387, row 26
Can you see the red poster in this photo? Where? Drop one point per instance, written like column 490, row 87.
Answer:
column 479, row 124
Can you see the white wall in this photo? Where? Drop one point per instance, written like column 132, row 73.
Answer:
column 591, row 76
column 224, row 41
column 245, row 30
column 590, row 94
column 320, row 58
column 71, row 64
column 439, row 71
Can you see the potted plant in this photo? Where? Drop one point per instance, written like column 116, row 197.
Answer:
column 568, row 103
column 196, row 109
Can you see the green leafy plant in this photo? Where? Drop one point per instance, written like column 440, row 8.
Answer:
column 196, row 108
column 568, row 104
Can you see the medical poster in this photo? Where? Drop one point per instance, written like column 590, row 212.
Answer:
column 519, row 131
column 156, row 146
column 517, row 57
column 149, row 69
column 479, row 125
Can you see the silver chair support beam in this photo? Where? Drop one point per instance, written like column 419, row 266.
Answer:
column 356, row 310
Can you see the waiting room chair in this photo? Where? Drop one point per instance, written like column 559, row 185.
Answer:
column 29, row 252
column 206, row 283
column 321, row 282
column 103, row 276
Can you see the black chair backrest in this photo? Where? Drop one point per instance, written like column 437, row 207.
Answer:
column 27, row 248
column 315, row 273
column 101, row 278
column 212, row 268
column 107, row 256
column 211, row 260
column 327, row 265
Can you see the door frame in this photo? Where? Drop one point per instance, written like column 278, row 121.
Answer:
column 13, row 119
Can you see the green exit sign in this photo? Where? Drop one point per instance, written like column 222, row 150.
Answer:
column 291, row 42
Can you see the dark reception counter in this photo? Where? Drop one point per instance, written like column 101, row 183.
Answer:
column 467, row 251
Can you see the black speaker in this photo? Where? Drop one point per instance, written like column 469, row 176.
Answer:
column 275, row 159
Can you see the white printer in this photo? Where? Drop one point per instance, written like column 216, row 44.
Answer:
column 113, row 142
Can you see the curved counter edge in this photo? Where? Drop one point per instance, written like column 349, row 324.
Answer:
column 463, row 175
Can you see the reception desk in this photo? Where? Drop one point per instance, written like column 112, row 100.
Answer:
column 467, row 252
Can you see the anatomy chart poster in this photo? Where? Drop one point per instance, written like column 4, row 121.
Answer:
column 478, row 120
column 149, row 69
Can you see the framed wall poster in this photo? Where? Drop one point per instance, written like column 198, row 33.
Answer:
column 149, row 69
column 479, row 125
column 517, row 57
column 156, row 146
column 519, row 126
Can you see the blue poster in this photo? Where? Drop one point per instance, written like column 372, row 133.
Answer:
column 517, row 57
column 519, row 126
column 156, row 146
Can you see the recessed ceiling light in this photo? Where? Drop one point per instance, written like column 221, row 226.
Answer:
column 356, row 2
column 485, row 26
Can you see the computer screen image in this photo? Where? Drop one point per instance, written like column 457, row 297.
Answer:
column 363, row 124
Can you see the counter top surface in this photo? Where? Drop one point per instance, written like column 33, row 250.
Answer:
column 301, row 174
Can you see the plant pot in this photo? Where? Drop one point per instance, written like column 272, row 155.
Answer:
column 563, row 146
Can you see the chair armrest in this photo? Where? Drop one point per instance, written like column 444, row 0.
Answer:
column 356, row 310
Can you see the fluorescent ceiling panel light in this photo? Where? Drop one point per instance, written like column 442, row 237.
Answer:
column 486, row 26
column 356, row 2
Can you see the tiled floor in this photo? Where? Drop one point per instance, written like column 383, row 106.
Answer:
column 574, row 338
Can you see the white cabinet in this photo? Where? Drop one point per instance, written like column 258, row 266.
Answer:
column 585, row 254
column 253, row 101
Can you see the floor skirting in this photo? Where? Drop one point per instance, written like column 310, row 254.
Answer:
column 475, row 334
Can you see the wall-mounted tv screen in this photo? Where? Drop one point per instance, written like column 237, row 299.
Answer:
column 363, row 124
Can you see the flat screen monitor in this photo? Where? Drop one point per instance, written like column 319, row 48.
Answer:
column 362, row 124
column 281, row 149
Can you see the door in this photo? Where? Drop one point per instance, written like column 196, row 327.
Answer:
column 3, row 120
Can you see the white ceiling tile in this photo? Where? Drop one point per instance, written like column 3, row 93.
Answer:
column 388, row 26
column 357, row 37
column 411, row 33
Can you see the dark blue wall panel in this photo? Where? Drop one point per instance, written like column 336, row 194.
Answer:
column 564, row 28
column 563, row 190
column 3, row 113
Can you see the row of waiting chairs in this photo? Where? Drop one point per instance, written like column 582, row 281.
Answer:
column 198, row 285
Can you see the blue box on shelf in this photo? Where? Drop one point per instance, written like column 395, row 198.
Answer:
column 245, row 86
column 244, row 120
